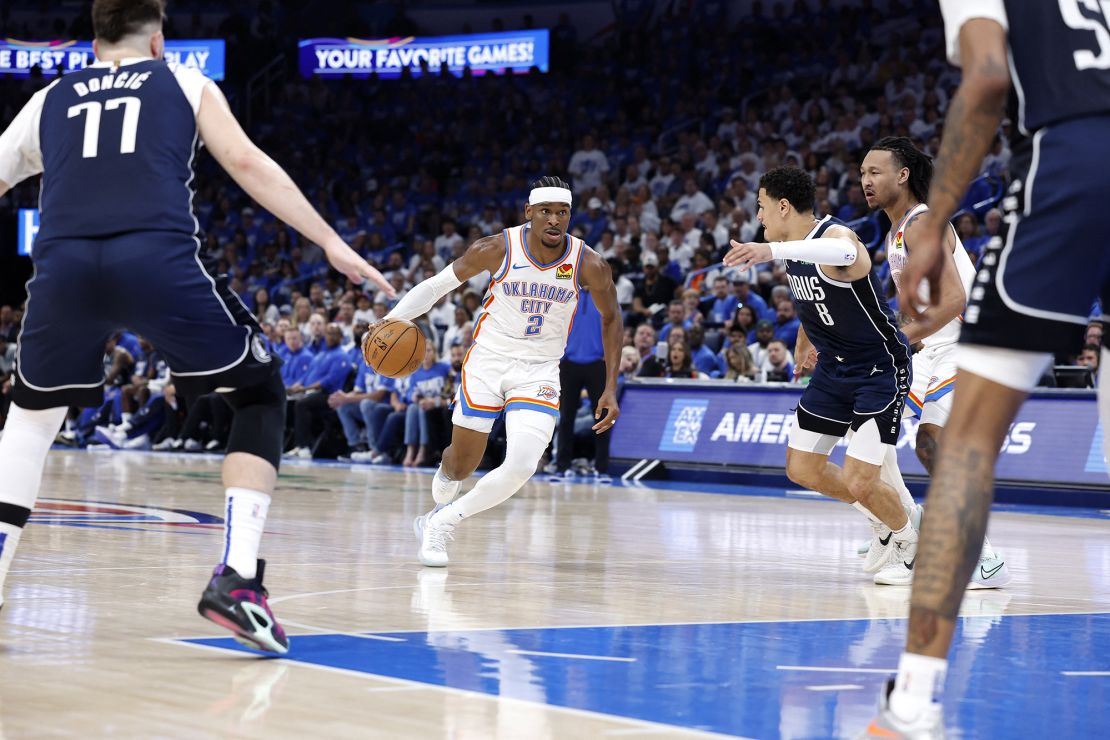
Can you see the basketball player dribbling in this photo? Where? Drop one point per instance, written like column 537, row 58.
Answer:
column 895, row 177
column 513, row 366
column 119, row 246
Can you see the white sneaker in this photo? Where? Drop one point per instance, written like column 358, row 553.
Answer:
column 928, row 725
column 362, row 457
column 191, row 445
column 444, row 489
column 138, row 443
column 433, row 540
column 878, row 549
column 898, row 570
column 304, row 453
column 876, row 563
column 991, row 570
column 380, row 458
column 212, row 445
column 169, row 443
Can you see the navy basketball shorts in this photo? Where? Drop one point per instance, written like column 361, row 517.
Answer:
column 154, row 284
column 1038, row 282
column 843, row 397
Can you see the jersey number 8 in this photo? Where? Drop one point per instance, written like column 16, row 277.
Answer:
column 823, row 312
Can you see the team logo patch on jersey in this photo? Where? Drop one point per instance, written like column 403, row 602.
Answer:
column 898, row 239
column 547, row 392
column 258, row 349
column 564, row 272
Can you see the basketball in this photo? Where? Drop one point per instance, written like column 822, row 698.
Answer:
column 395, row 348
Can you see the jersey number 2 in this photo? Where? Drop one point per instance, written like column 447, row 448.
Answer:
column 92, row 111
column 535, row 322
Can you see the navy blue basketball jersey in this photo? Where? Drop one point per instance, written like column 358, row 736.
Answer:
column 117, row 143
column 1059, row 55
column 847, row 320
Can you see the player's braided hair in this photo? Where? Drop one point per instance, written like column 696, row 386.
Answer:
column 907, row 155
column 550, row 181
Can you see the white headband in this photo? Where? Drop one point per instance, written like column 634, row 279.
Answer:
column 549, row 195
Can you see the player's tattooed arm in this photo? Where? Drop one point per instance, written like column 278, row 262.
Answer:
column 969, row 129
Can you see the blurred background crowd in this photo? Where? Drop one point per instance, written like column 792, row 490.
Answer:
column 663, row 123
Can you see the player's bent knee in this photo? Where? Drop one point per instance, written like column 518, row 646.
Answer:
column 258, row 427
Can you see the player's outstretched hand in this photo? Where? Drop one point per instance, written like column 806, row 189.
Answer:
column 608, row 404
column 926, row 265
column 745, row 255
column 358, row 270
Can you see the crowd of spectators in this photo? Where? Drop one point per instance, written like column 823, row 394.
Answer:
column 662, row 126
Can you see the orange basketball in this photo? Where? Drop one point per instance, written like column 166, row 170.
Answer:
column 395, row 348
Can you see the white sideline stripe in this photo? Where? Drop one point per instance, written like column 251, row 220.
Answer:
column 329, row 631
column 502, row 700
column 835, row 687
column 1085, row 673
column 684, row 623
column 833, row 669
column 576, row 656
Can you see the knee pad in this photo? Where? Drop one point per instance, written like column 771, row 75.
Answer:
column 259, row 425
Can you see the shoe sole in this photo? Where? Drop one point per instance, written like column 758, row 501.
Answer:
column 993, row 582
column 252, row 640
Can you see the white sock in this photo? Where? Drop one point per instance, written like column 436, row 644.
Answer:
column 866, row 512
column 246, row 518
column 9, row 539
column 906, row 533
column 920, row 682
column 892, row 476
column 27, row 438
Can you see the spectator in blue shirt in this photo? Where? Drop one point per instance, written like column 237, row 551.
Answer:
column 676, row 316
column 592, row 221
column 425, row 394
column 349, row 406
column 787, row 324
column 745, row 296
column 719, row 307
column 296, row 358
column 326, row 374
column 704, row 359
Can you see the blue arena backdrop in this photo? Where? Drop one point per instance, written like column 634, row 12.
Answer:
column 517, row 51
column 18, row 57
column 1056, row 439
column 28, row 229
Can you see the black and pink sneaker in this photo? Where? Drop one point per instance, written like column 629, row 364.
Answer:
column 239, row 604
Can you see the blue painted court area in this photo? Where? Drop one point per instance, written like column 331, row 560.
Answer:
column 815, row 679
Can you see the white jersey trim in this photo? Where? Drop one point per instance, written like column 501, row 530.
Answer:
column 958, row 12
column 20, row 146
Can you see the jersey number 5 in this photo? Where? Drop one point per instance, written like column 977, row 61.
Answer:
column 92, row 111
column 1073, row 18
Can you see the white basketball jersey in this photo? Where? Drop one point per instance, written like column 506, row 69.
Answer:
column 897, row 256
column 529, row 306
